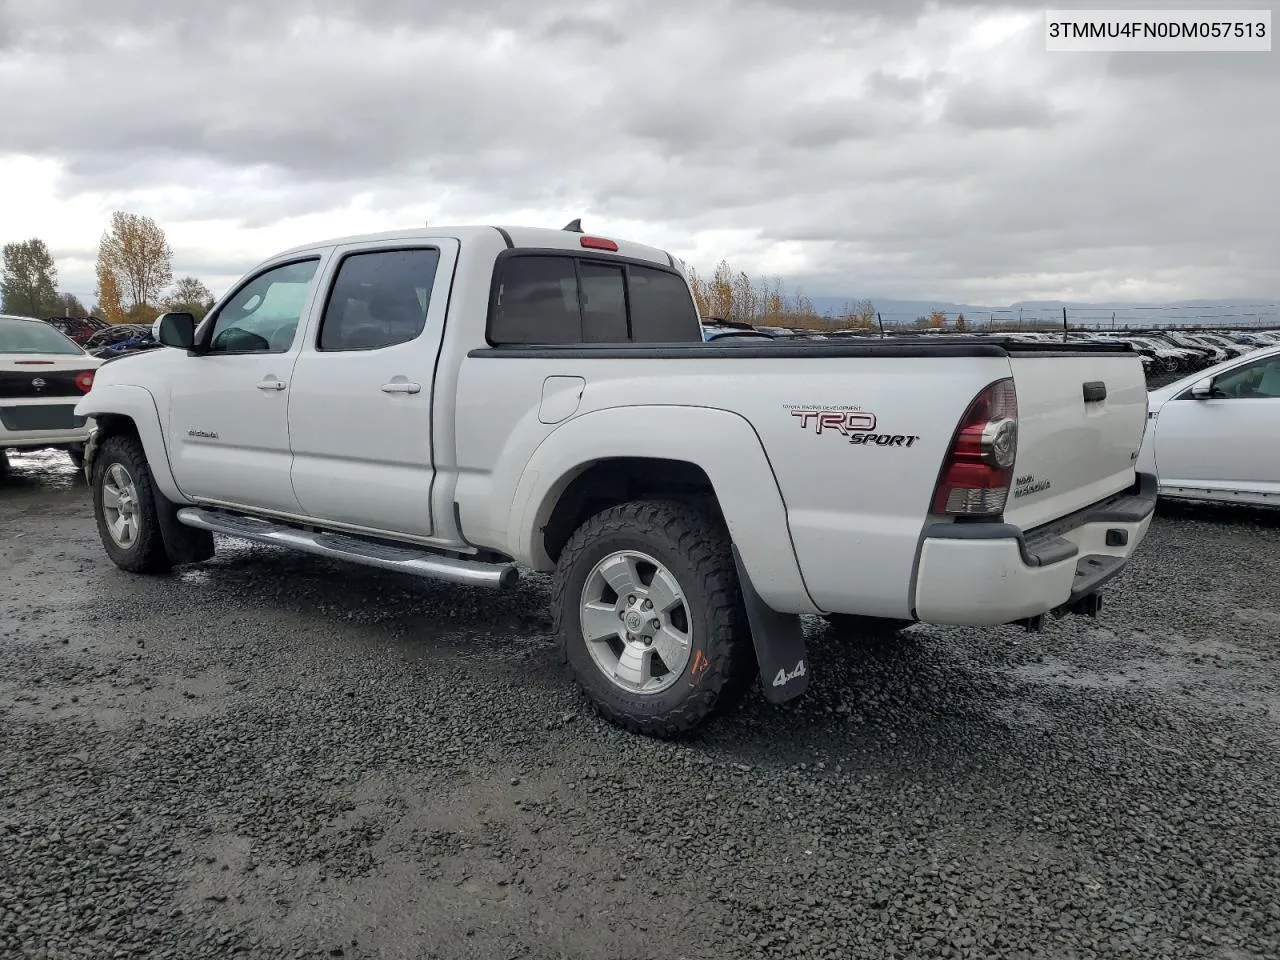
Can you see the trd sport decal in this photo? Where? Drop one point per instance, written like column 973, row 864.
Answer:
column 856, row 426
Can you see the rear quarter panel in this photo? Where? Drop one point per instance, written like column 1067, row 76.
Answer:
column 854, row 510
column 857, row 445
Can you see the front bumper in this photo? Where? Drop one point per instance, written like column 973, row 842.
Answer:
column 993, row 573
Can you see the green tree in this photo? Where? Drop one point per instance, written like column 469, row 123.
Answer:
column 29, row 283
column 190, row 295
column 69, row 305
column 961, row 324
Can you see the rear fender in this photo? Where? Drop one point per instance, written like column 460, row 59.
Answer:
column 138, row 404
column 723, row 444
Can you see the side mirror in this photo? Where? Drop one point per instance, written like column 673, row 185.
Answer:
column 1202, row 389
column 175, row 330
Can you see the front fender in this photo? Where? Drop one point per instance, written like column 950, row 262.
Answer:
column 722, row 443
column 138, row 404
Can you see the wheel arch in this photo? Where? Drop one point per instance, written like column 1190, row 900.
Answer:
column 660, row 451
column 125, row 409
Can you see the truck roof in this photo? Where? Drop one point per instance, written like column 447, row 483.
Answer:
column 535, row 237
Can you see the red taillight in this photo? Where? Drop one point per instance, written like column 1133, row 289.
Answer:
column 84, row 380
column 978, row 471
column 598, row 243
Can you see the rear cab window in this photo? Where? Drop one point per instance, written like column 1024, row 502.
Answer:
column 561, row 299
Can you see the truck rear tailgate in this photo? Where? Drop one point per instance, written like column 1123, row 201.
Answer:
column 1081, row 417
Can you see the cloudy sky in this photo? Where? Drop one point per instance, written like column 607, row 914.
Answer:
column 888, row 148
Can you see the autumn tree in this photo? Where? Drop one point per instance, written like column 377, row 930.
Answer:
column 29, row 282
column 109, row 306
column 746, row 297
column 136, row 254
column 860, row 315
column 775, row 304
column 698, row 286
column 937, row 320
column 803, row 315
column 720, row 293
column 190, row 295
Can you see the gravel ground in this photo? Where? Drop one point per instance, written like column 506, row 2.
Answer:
column 277, row 756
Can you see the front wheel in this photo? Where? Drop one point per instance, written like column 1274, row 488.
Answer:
column 124, row 504
column 650, row 616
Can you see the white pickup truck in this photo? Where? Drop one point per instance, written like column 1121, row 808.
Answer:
column 459, row 403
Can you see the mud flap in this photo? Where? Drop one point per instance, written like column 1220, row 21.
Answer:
column 779, row 643
column 183, row 544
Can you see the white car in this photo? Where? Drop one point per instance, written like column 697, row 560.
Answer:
column 1215, row 435
column 43, row 374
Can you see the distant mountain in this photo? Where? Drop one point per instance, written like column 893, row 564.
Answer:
column 1226, row 311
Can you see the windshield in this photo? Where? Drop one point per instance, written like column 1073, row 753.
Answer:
column 33, row 336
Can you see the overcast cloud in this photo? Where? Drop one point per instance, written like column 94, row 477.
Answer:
column 892, row 148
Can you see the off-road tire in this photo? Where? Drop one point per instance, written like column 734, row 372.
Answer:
column 77, row 457
column 147, row 552
column 693, row 544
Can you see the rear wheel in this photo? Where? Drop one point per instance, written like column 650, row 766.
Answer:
column 124, row 504
column 650, row 616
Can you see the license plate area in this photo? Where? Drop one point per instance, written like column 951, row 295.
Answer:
column 41, row 416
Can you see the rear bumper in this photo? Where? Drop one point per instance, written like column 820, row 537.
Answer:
column 41, row 422
column 993, row 573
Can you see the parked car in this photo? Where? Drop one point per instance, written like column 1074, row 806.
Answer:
column 77, row 329
column 1215, row 435
column 448, row 403
column 1234, row 347
column 1210, row 351
column 42, row 375
column 1167, row 357
column 717, row 329
column 121, row 338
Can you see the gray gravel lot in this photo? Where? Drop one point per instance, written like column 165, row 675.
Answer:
column 277, row 756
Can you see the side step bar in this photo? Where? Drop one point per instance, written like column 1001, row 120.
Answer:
column 337, row 546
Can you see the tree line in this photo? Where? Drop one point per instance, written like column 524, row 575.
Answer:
column 737, row 297
column 134, row 273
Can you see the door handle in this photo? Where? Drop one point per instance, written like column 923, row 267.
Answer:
column 271, row 384
column 401, row 386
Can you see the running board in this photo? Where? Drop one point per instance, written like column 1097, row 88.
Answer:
column 337, row 546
